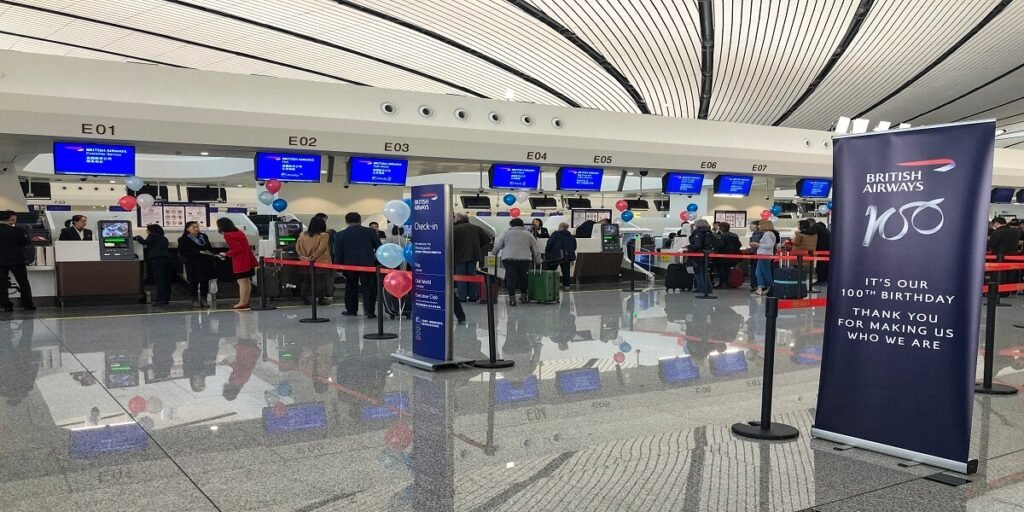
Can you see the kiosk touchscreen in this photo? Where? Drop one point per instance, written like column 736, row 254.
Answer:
column 287, row 233
column 610, row 241
column 115, row 240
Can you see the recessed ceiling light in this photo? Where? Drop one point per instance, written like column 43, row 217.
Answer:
column 239, row 186
column 631, row 173
column 205, row 153
column 323, row 172
column 113, row 181
column 510, row 94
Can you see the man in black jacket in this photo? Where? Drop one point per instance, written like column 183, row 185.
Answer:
column 1004, row 241
column 468, row 242
column 13, row 241
column 357, row 245
column 76, row 231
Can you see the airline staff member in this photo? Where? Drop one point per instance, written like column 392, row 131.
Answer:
column 76, row 231
column 13, row 241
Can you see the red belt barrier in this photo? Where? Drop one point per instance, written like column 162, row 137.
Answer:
column 1011, row 287
column 358, row 268
column 802, row 303
column 468, row 279
column 992, row 257
column 997, row 267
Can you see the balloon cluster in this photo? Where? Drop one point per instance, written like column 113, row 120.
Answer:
column 269, row 196
column 391, row 255
column 129, row 202
column 825, row 208
column 623, row 206
column 511, row 199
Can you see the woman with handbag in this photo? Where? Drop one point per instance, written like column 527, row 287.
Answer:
column 200, row 267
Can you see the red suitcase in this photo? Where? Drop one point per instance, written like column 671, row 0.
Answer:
column 735, row 279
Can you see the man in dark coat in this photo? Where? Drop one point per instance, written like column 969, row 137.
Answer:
column 13, row 241
column 356, row 245
column 468, row 241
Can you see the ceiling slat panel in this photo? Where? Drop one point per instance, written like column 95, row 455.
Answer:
column 897, row 40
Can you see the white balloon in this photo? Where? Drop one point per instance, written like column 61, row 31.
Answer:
column 522, row 196
column 823, row 210
column 390, row 255
column 397, row 212
column 134, row 183
column 145, row 200
column 266, row 197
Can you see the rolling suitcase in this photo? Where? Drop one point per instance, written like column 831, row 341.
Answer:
column 542, row 286
column 735, row 277
column 679, row 276
column 789, row 283
column 271, row 285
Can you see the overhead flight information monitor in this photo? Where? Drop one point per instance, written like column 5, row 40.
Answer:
column 1002, row 195
column 288, row 167
column 579, row 179
column 377, row 171
column 116, row 240
column 513, row 176
column 684, row 183
column 813, row 188
column 733, row 186
column 93, row 159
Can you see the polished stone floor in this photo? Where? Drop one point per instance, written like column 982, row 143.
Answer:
column 617, row 401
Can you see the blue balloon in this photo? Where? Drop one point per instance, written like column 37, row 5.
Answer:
column 776, row 209
column 692, row 207
column 627, row 216
column 408, row 201
column 279, row 205
column 625, row 347
column 284, row 388
column 410, row 254
column 509, row 199
column 390, row 255
column 829, row 205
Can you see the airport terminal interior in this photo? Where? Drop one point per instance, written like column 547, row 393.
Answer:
column 643, row 255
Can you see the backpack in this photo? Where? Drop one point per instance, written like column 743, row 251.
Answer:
column 713, row 242
column 731, row 244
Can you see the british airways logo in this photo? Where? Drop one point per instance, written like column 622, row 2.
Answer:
column 941, row 164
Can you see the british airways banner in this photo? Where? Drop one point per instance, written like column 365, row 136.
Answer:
column 901, row 333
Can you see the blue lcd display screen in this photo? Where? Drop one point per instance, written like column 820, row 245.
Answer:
column 728, row 363
column 584, row 380
column 1002, row 195
column 377, row 171
column 678, row 369
column 735, row 186
column 107, row 440
column 580, row 179
column 293, row 418
column 93, row 159
column 506, row 391
column 288, row 167
column 512, row 176
column 682, row 183
column 813, row 188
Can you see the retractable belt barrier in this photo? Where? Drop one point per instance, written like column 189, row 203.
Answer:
column 359, row 268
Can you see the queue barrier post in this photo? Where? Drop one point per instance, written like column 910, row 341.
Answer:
column 707, row 277
column 1001, row 258
column 261, row 278
column 632, row 264
column 380, row 334
column 987, row 387
column 765, row 429
column 492, row 342
column 810, row 272
column 314, row 319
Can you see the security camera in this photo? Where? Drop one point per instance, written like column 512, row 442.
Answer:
column 643, row 173
column 766, row 198
column 689, row 196
column 345, row 186
column 83, row 179
column 480, row 190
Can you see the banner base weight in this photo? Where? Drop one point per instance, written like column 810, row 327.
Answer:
column 313, row 320
column 488, row 365
column 775, row 432
column 996, row 389
column 380, row 336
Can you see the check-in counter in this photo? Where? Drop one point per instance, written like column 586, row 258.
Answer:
column 81, row 274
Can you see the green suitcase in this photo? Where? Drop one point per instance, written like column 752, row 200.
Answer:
column 542, row 286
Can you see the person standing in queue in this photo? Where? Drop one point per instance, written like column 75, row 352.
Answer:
column 561, row 247
column 730, row 245
column 538, row 229
column 765, row 247
column 469, row 241
column 13, row 241
column 699, row 242
column 200, row 267
column 243, row 261
column 824, row 244
column 755, row 234
column 1004, row 241
column 356, row 245
column 517, row 251
column 159, row 259
column 805, row 241
column 76, row 230
column 314, row 245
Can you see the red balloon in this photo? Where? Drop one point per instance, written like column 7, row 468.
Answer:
column 128, row 203
column 621, row 205
column 619, row 357
column 398, row 436
column 766, row 214
column 398, row 283
column 273, row 186
column 684, row 216
column 279, row 410
column 136, row 405
column 515, row 212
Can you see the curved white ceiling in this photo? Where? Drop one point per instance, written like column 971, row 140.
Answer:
column 799, row 63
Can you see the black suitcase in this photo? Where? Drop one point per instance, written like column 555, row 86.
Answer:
column 788, row 283
column 271, row 285
column 679, row 276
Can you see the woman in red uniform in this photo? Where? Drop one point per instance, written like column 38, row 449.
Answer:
column 243, row 261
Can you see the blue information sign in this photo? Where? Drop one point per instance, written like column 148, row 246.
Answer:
column 293, row 418
column 678, row 369
column 377, row 171
column 432, row 271
column 682, row 183
column 813, row 188
column 583, row 380
column 110, row 439
column 512, row 176
column 507, row 391
column 733, row 186
column 93, row 159
column 391, row 405
column 288, row 167
column 729, row 362
column 579, row 179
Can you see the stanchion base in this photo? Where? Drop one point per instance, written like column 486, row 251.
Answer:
column 380, row 336
column 996, row 389
column 259, row 308
column 1019, row 326
column 776, row 432
column 318, row 320
column 706, row 297
column 487, row 364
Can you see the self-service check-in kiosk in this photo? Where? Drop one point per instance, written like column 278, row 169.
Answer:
column 116, row 240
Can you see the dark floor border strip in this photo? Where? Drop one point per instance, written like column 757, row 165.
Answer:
column 180, row 40
column 707, row 55
column 851, row 32
column 91, row 49
column 322, row 42
column 455, row 44
column 968, row 93
column 995, row 12
column 585, row 47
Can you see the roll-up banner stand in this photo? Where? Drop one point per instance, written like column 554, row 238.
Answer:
column 901, row 334
column 432, row 280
